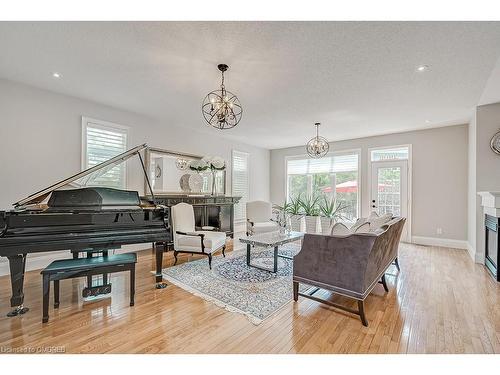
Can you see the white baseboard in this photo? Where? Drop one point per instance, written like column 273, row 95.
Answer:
column 443, row 242
column 476, row 256
column 471, row 251
column 37, row 261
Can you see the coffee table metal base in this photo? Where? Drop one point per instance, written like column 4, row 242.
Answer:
column 275, row 255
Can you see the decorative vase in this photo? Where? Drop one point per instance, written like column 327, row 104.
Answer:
column 326, row 224
column 312, row 224
column 297, row 223
column 213, row 182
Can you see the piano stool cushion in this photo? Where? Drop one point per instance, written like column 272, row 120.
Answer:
column 212, row 241
column 265, row 227
column 89, row 263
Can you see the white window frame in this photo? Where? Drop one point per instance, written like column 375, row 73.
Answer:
column 410, row 184
column 105, row 125
column 234, row 152
column 331, row 153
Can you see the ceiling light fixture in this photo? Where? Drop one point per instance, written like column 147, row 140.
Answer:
column 423, row 68
column 318, row 146
column 56, row 75
column 221, row 108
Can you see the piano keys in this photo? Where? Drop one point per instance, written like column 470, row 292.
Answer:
column 77, row 216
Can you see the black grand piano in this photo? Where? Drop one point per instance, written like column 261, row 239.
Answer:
column 73, row 215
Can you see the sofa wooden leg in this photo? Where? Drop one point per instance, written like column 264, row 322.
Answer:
column 224, row 251
column 175, row 257
column 295, row 291
column 384, row 283
column 210, row 261
column 396, row 262
column 361, row 308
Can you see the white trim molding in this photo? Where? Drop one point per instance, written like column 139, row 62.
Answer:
column 107, row 126
column 442, row 242
column 409, row 191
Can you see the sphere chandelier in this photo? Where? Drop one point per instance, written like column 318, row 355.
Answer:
column 318, row 146
column 221, row 108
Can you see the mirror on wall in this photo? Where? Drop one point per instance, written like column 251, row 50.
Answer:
column 169, row 173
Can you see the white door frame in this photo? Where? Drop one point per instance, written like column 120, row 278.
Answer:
column 410, row 186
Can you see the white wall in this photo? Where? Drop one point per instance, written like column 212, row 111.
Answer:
column 439, row 178
column 487, row 172
column 40, row 142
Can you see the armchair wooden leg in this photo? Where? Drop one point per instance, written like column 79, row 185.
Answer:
column 384, row 283
column 361, row 308
column 56, row 294
column 175, row 256
column 210, row 261
column 224, row 251
column 295, row 291
column 396, row 262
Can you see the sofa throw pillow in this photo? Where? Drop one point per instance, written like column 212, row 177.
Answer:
column 377, row 222
column 340, row 229
column 358, row 223
column 363, row 228
column 373, row 215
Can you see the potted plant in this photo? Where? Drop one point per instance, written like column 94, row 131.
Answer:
column 311, row 212
column 198, row 165
column 294, row 210
column 330, row 211
column 282, row 216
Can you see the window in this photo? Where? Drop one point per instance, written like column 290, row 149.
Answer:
column 101, row 141
column 392, row 153
column 335, row 175
column 240, row 183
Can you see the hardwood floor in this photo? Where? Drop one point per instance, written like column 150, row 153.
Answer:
column 440, row 302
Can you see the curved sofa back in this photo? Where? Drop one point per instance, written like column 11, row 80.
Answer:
column 349, row 265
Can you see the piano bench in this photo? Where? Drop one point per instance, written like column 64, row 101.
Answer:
column 80, row 267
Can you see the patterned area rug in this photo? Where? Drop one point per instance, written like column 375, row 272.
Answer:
column 235, row 286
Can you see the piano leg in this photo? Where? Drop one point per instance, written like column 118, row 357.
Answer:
column 17, row 265
column 159, row 249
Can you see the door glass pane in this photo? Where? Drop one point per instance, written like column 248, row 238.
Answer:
column 389, row 191
column 397, row 153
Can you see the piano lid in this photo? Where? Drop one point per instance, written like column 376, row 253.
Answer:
column 82, row 179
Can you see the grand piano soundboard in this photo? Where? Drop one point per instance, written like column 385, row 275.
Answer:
column 71, row 215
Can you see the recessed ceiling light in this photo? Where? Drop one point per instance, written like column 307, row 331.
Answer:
column 422, row 68
column 56, row 75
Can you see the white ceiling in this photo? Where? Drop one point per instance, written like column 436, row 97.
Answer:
column 357, row 78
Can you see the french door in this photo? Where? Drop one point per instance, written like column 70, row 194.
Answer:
column 389, row 190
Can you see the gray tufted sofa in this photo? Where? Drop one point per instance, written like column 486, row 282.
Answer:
column 349, row 265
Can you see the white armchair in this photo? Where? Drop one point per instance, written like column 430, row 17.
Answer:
column 188, row 240
column 259, row 214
